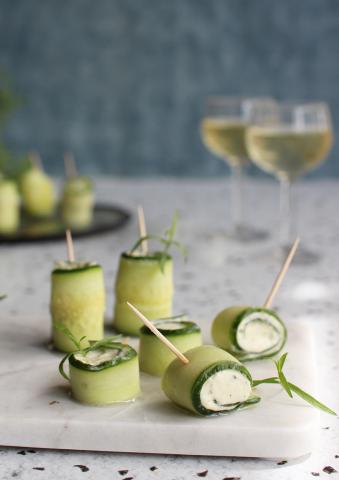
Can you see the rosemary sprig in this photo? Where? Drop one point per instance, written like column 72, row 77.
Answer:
column 93, row 345
column 290, row 387
column 167, row 240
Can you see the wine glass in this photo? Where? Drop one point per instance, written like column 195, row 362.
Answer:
column 223, row 129
column 288, row 140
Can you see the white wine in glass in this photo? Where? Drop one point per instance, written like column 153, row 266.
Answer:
column 223, row 131
column 288, row 140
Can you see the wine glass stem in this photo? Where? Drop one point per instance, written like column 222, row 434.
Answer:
column 288, row 227
column 236, row 190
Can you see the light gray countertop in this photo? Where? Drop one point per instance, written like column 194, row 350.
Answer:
column 217, row 274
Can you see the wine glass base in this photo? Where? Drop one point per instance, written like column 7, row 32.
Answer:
column 303, row 256
column 246, row 234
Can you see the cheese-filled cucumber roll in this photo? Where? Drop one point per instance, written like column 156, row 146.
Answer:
column 212, row 382
column 141, row 281
column 38, row 193
column 77, row 302
column 104, row 375
column 249, row 333
column 77, row 202
column 154, row 356
column 9, row 207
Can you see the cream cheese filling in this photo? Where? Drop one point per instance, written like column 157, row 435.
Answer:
column 259, row 332
column 224, row 389
column 97, row 357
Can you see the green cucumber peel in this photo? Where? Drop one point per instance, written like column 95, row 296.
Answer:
column 208, row 372
column 167, row 240
column 247, row 356
column 291, row 387
column 74, row 267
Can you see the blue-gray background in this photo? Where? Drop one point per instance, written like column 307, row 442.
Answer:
column 121, row 82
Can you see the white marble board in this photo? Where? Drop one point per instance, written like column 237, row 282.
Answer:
column 37, row 411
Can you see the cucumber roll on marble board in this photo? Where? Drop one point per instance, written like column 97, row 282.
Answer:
column 106, row 372
column 77, row 302
column 249, row 333
column 154, row 356
column 213, row 382
column 146, row 280
column 9, row 207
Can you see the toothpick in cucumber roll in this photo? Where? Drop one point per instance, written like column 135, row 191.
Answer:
column 77, row 302
column 213, row 382
column 77, row 202
column 249, row 333
column 146, row 280
column 106, row 372
column 154, row 356
column 9, row 207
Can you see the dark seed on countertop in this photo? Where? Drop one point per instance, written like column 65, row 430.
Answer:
column 336, row 456
column 123, row 472
column 31, row 451
column 231, row 478
column 283, row 462
column 153, row 468
column 202, row 474
column 53, row 402
column 325, row 428
column 22, row 452
column 83, row 468
column 38, row 468
column 315, row 474
column 329, row 469
column 128, row 478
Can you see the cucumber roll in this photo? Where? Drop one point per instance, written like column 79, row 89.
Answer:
column 77, row 202
column 107, row 372
column 249, row 333
column 38, row 193
column 9, row 207
column 154, row 356
column 213, row 382
column 141, row 281
column 77, row 302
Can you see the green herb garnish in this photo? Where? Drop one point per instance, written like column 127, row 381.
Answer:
column 93, row 345
column 167, row 240
column 2, row 297
column 290, row 387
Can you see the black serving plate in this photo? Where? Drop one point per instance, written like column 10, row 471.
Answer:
column 106, row 218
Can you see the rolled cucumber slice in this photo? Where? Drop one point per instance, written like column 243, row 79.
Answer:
column 77, row 303
column 249, row 333
column 77, row 202
column 38, row 193
column 154, row 356
column 9, row 207
column 105, row 375
column 213, row 382
column 141, row 281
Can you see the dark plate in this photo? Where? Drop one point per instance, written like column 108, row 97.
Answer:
column 106, row 218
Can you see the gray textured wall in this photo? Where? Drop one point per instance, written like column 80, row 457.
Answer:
column 121, row 82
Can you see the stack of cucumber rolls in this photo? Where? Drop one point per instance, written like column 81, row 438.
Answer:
column 146, row 280
column 213, row 382
column 249, row 333
column 77, row 302
column 154, row 356
column 9, row 207
column 106, row 372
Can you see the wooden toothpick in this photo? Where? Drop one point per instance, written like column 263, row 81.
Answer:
column 70, row 248
column 70, row 165
column 156, row 332
column 281, row 274
column 142, row 229
column 35, row 160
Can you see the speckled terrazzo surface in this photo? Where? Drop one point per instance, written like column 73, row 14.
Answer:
column 217, row 274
